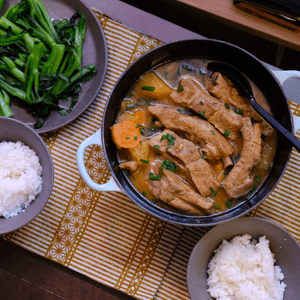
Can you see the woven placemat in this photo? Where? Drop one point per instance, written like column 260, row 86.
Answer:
column 105, row 236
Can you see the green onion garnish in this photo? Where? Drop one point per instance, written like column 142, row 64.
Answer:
column 238, row 111
column 228, row 204
column 148, row 88
column 203, row 156
column 227, row 132
column 251, row 192
column 142, row 131
column 167, row 74
column 127, row 138
column 179, row 69
column 227, row 105
column 131, row 106
column 201, row 103
column 201, row 113
column 180, row 88
column 138, row 125
column 257, row 179
column 187, row 67
column 144, row 193
column 217, row 207
column 180, row 110
column 169, row 166
column 169, row 137
column 153, row 177
column 144, row 161
column 156, row 147
column 127, row 173
column 202, row 72
column 213, row 192
column 213, row 132
column 136, row 137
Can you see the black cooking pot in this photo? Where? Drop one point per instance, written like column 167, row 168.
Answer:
column 215, row 50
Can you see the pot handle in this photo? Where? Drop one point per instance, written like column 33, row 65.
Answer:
column 282, row 76
column 94, row 139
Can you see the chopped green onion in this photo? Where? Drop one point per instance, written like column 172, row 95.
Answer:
column 138, row 125
column 169, row 137
column 217, row 207
column 251, row 192
column 153, row 177
column 144, row 161
column 179, row 69
column 130, row 95
column 158, row 154
column 257, row 179
column 213, row 132
column 203, row 156
column 238, row 111
column 227, row 105
column 156, row 147
column 168, row 147
column 154, row 200
column 169, row 166
column 202, row 72
column 127, row 138
column 127, row 173
column 225, row 173
column 180, row 110
column 180, row 88
column 228, row 204
column 213, row 192
column 131, row 106
column 149, row 100
column 201, row 103
column 142, row 131
column 144, row 193
column 187, row 67
column 167, row 74
column 227, row 132
column 201, row 113
column 148, row 88
column 136, row 137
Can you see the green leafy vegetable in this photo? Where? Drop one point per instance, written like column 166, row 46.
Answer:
column 41, row 59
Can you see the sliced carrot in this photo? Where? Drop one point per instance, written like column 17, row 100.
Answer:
column 139, row 116
column 126, row 134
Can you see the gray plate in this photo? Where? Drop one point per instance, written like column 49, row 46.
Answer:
column 285, row 247
column 14, row 130
column 95, row 52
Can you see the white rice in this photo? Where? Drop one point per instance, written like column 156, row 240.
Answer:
column 20, row 177
column 244, row 270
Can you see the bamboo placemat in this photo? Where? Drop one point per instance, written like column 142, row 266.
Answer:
column 105, row 236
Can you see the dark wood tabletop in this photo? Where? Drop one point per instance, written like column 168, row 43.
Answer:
column 25, row 275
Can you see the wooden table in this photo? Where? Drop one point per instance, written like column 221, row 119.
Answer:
column 225, row 12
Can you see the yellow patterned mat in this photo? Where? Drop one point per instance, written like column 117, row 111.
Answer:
column 105, row 235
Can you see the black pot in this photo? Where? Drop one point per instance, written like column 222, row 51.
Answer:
column 254, row 69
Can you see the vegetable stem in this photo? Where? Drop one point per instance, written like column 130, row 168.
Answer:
column 5, row 109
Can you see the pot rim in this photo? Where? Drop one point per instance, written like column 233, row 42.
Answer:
column 176, row 218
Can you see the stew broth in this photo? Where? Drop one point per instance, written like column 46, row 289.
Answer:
column 134, row 108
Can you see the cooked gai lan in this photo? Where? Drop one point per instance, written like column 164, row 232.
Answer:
column 188, row 141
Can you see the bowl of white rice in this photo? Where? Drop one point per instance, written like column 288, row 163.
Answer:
column 26, row 174
column 245, row 259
